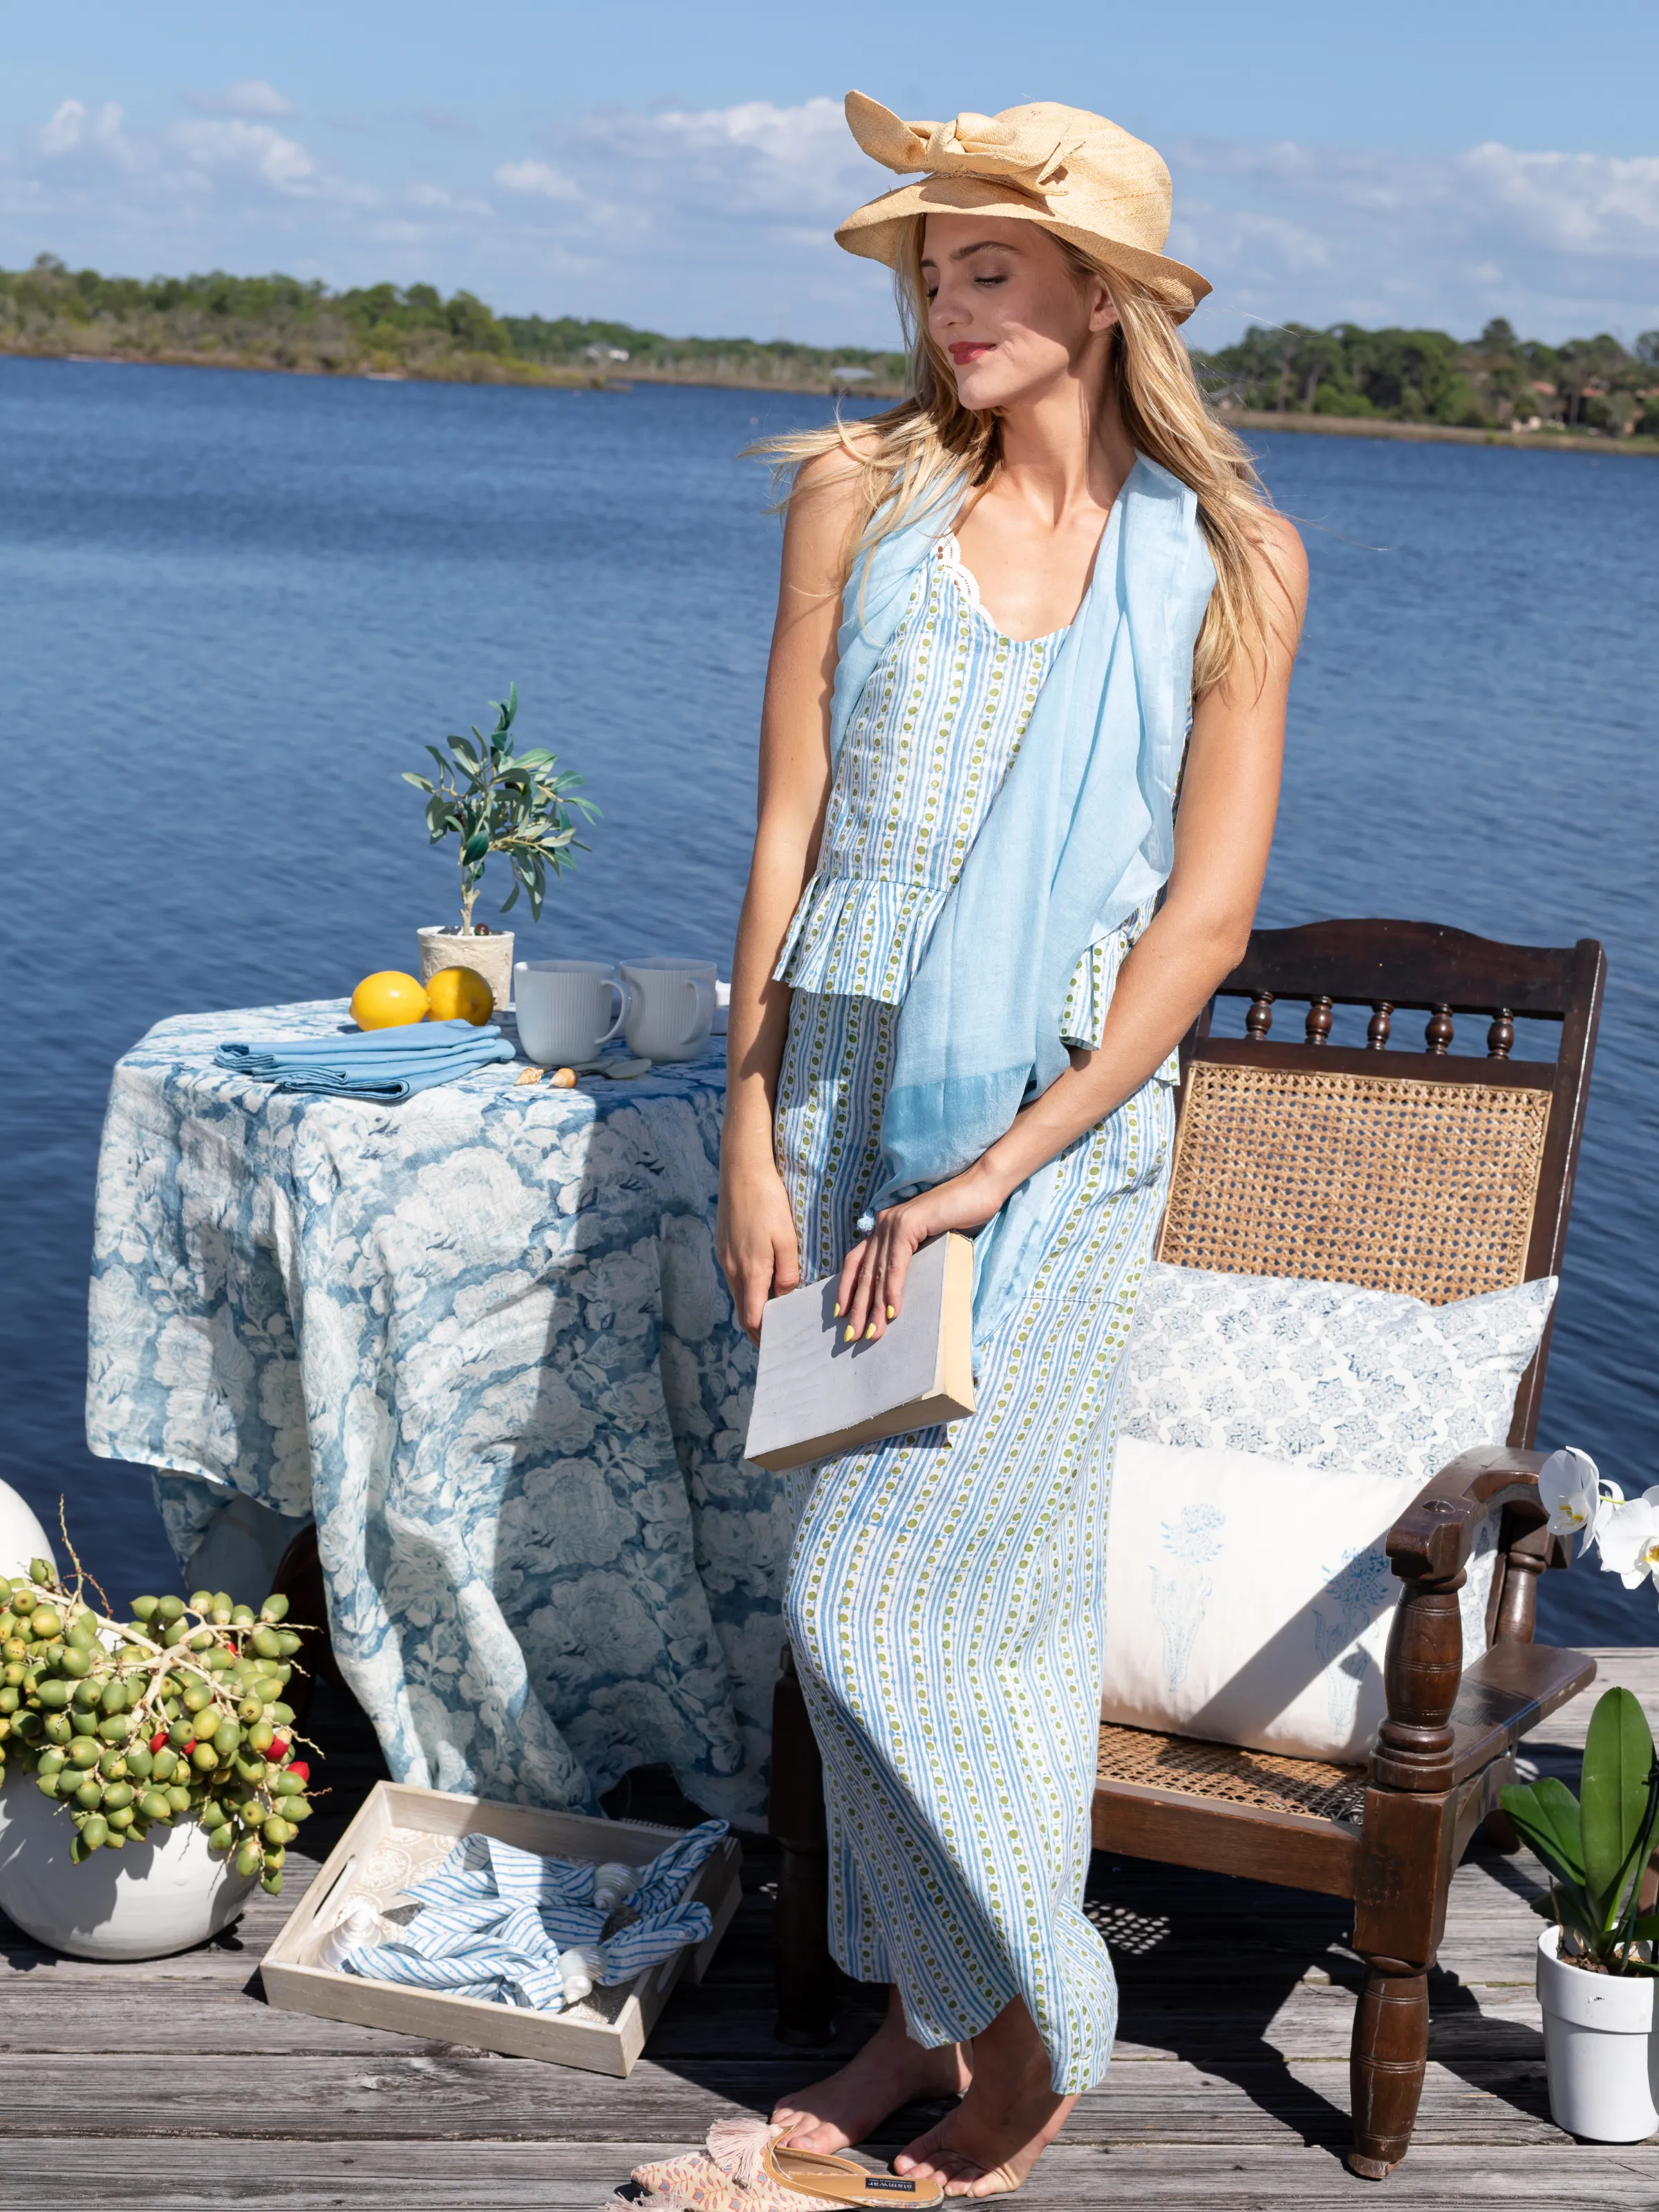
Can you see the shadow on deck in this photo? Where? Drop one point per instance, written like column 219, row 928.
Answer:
column 174, row 2082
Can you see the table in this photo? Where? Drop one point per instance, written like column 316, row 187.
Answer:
column 483, row 1338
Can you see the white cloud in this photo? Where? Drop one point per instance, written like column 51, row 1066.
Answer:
column 250, row 96
column 719, row 219
column 537, row 177
column 1558, row 242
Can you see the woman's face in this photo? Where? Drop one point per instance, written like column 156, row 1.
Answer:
column 1005, row 308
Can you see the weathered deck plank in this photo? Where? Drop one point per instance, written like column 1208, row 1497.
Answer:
column 1230, row 2088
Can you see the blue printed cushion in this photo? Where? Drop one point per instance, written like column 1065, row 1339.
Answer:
column 1325, row 1374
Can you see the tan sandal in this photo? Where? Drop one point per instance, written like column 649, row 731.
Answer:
column 843, row 2180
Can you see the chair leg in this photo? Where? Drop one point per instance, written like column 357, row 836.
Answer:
column 803, row 1972
column 1389, row 2057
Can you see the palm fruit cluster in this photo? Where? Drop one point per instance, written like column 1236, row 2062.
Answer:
column 178, row 1711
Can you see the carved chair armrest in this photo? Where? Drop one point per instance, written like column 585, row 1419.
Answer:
column 1428, row 1547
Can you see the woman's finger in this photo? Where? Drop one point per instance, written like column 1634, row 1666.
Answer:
column 859, row 1306
column 898, row 1265
column 849, row 1275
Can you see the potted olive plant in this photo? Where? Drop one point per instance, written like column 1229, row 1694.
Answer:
column 1597, row 1971
column 492, row 799
column 151, row 1770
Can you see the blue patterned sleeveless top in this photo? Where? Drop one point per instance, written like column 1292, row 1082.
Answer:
column 937, row 728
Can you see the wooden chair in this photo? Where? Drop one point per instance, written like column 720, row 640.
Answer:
column 1439, row 1175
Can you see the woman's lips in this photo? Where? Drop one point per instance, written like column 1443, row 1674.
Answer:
column 969, row 349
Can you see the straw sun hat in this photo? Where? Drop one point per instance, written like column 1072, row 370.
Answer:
column 1076, row 173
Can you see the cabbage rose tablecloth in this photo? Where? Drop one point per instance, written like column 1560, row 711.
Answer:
column 482, row 1337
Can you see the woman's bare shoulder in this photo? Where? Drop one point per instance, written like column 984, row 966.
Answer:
column 828, row 508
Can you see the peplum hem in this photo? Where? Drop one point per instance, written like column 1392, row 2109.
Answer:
column 859, row 937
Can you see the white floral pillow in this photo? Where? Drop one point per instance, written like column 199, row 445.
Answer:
column 1326, row 1373
column 1249, row 1599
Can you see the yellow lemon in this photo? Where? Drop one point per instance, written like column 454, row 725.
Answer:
column 460, row 994
column 387, row 1001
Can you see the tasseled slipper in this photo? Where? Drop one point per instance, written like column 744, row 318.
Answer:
column 841, row 2180
column 741, row 2170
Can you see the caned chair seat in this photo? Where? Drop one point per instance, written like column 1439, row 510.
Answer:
column 1146, row 1759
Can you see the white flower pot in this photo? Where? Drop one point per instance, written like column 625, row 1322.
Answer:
column 145, row 1901
column 1600, row 2050
column 490, row 957
column 21, row 1536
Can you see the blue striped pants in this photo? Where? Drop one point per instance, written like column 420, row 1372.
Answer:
column 947, row 1588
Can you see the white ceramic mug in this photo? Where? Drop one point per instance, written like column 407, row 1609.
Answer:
column 566, row 1009
column 669, row 1008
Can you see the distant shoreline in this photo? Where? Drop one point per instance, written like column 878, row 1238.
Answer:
column 479, row 368
column 534, row 375
column 1373, row 426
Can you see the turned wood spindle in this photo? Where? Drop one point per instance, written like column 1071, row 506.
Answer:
column 1438, row 1035
column 1260, row 1018
column 1319, row 1020
column 1381, row 1021
column 1501, row 1035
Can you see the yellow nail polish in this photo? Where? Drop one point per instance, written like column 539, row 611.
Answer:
column 837, row 1313
column 851, row 1333
column 892, row 1313
column 870, row 1332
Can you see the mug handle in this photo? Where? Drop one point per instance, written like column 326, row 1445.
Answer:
column 702, row 1008
column 624, row 998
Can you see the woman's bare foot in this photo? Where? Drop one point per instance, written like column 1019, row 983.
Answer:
column 1006, row 2120
column 888, row 2073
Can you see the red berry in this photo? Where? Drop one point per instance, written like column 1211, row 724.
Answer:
column 298, row 1767
column 188, row 1749
column 278, row 1750
column 158, row 1738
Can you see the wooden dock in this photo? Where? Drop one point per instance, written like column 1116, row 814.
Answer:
column 175, row 2087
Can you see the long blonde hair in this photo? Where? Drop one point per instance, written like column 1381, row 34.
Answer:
column 910, row 456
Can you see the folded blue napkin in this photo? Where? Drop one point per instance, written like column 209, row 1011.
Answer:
column 382, row 1065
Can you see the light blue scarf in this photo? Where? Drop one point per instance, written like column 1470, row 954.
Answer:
column 1080, row 833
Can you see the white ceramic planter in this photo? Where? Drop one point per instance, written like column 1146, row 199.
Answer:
column 146, row 1901
column 490, row 957
column 21, row 1536
column 1600, row 2050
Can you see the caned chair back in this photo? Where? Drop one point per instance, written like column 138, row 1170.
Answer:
column 1432, row 1172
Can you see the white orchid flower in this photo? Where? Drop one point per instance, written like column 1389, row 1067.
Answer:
column 1628, row 1539
column 1570, row 1484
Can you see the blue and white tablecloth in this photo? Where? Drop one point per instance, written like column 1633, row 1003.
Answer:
column 481, row 1336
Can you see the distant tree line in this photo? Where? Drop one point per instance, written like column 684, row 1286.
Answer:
column 1497, row 381
column 281, row 322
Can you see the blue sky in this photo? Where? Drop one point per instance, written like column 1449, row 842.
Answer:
column 682, row 166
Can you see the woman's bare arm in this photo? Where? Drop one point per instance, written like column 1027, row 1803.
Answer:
column 756, row 1240
column 1229, row 796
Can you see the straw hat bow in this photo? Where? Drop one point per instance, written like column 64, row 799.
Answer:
column 1077, row 174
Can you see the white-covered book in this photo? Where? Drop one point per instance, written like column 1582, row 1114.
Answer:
column 815, row 1394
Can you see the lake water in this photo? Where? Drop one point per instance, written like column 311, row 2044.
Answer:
column 235, row 606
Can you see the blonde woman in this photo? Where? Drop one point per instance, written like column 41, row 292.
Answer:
column 1017, row 612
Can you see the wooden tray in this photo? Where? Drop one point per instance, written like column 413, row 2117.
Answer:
column 605, row 2034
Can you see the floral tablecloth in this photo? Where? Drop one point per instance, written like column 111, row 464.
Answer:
column 483, row 1338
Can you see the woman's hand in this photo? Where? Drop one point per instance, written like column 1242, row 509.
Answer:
column 757, row 1242
column 871, row 1293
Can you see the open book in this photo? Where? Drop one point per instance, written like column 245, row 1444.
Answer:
column 816, row 1394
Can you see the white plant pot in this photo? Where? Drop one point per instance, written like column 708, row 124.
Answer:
column 21, row 1536
column 490, row 957
column 1600, row 2053
column 145, row 1901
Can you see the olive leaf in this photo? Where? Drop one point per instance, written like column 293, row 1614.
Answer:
column 521, row 805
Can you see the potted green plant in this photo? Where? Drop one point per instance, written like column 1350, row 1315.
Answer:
column 151, row 1768
column 492, row 799
column 1596, row 1973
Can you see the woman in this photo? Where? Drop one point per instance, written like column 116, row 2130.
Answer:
column 973, row 935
